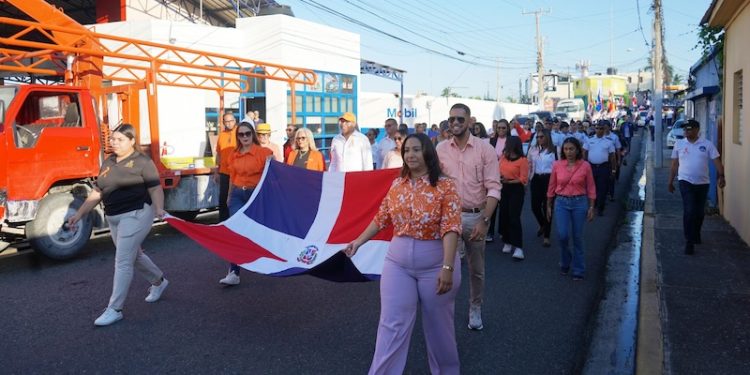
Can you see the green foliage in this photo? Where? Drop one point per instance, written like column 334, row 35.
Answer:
column 710, row 38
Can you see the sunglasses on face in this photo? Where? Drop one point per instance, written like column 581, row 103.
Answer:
column 244, row 134
column 398, row 138
column 460, row 120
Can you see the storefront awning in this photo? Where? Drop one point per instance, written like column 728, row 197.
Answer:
column 702, row 91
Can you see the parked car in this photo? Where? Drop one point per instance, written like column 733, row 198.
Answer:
column 642, row 119
column 676, row 133
column 544, row 115
column 523, row 118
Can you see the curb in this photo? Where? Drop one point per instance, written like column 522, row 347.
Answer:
column 650, row 342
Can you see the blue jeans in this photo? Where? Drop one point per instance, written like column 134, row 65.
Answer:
column 571, row 211
column 237, row 199
column 693, row 209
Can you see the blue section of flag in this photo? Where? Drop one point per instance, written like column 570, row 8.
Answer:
column 281, row 205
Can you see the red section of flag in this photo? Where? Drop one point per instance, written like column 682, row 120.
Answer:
column 363, row 193
column 222, row 241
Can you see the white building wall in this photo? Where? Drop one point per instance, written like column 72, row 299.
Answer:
column 294, row 42
column 375, row 108
column 274, row 39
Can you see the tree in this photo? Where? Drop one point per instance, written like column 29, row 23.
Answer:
column 677, row 79
column 510, row 99
column 448, row 92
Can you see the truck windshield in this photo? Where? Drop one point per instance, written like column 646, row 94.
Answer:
column 567, row 108
column 6, row 96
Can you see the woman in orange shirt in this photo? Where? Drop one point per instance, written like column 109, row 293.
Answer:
column 305, row 154
column 246, row 165
column 514, row 175
column 424, row 209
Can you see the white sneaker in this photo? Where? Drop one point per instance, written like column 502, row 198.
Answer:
column 518, row 254
column 155, row 291
column 507, row 248
column 108, row 317
column 231, row 279
column 475, row 318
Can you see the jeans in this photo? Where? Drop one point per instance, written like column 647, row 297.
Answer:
column 693, row 209
column 539, row 185
column 511, row 205
column 237, row 199
column 571, row 212
column 223, row 195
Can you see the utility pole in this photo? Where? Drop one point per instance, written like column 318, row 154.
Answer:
column 497, row 84
column 539, row 55
column 658, row 85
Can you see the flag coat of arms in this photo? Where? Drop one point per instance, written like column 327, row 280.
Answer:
column 297, row 221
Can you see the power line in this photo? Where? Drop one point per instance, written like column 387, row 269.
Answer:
column 372, row 28
column 640, row 25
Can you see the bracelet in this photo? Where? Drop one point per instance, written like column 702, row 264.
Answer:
column 447, row 267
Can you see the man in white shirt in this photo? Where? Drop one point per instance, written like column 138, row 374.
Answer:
column 388, row 142
column 350, row 150
column 690, row 158
column 599, row 151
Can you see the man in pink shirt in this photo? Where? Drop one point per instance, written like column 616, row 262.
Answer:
column 473, row 164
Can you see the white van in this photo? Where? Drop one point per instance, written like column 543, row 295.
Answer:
column 575, row 108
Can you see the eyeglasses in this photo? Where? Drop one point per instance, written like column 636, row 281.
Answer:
column 461, row 120
column 244, row 134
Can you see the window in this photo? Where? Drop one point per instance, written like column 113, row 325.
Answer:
column 737, row 115
column 41, row 110
column 319, row 105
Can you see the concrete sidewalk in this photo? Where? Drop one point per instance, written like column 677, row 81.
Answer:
column 694, row 309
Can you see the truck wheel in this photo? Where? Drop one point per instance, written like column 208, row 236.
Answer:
column 185, row 215
column 46, row 233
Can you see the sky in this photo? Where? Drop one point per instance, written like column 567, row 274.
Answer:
column 458, row 44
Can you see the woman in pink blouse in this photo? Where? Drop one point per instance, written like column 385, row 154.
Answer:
column 572, row 190
column 424, row 209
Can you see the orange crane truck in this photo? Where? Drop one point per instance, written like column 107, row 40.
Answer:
column 54, row 135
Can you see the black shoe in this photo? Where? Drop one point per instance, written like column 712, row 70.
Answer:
column 689, row 249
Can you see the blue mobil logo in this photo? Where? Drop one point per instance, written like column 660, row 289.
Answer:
column 394, row 112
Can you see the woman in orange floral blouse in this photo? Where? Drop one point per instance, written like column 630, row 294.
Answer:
column 424, row 209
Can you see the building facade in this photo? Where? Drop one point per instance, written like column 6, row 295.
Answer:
column 734, row 17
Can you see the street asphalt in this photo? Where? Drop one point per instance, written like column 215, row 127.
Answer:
column 536, row 320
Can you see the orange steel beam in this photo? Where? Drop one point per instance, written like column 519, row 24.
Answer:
column 137, row 58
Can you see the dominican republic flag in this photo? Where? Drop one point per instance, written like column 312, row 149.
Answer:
column 297, row 222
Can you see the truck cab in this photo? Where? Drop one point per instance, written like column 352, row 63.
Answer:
column 50, row 152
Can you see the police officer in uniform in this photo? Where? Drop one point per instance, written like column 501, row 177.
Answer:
column 600, row 153
column 615, row 138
